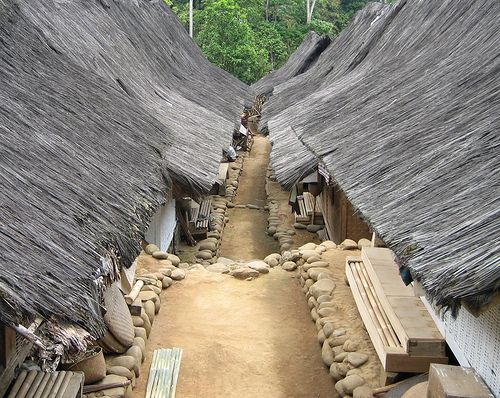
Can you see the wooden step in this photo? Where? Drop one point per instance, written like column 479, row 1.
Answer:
column 411, row 321
column 391, row 349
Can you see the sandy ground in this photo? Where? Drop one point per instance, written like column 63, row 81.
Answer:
column 251, row 338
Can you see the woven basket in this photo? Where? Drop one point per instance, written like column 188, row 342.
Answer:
column 92, row 365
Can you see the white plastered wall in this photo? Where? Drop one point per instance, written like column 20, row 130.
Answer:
column 162, row 227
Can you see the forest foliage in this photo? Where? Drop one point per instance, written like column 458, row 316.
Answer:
column 250, row 38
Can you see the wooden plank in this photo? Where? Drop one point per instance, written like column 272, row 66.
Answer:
column 379, row 260
column 365, row 316
column 456, row 382
column 397, row 360
column 424, row 338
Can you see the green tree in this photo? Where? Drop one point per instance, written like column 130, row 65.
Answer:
column 227, row 40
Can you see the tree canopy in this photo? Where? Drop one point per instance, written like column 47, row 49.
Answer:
column 249, row 38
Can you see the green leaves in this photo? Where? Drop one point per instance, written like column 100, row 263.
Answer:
column 249, row 38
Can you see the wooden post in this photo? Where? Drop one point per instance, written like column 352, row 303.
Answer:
column 191, row 18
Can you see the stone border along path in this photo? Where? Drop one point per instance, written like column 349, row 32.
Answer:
column 338, row 351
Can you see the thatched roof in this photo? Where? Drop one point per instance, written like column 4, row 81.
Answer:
column 85, row 162
column 143, row 50
column 299, row 62
column 411, row 135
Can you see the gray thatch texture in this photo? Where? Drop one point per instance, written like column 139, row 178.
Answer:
column 299, row 62
column 142, row 49
column 411, row 135
column 340, row 57
column 87, row 153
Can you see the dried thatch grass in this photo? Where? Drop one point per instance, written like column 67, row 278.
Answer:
column 411, row 135
column 87, row 150
column 299, row 62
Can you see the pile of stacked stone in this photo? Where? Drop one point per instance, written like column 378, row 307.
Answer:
column 126, row 365
column 208, row 249
column 233, row 176
column 277, row 229
column 339, row 352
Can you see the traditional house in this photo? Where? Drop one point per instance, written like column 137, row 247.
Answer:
column 107, row 110
column 408, row 129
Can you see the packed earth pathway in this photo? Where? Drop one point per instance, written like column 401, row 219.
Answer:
column 244, row 339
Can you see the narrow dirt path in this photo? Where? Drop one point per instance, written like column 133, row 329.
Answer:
column 245, row 339
column 244, row 237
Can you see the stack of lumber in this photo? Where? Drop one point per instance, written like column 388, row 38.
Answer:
column 401, row 329
column 306, row 204
column 204, row 213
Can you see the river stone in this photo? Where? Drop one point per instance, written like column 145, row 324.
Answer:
column 137, row 321
column 276, row 256
column 298, row 225
column 314, row 315
column 140, row 332
column 204, row 254
column 120, row 371
column 318, row 325
column 366, row 392
column 309, row 283
column 321, row 336
column 328, row 244
column 305, row 254
column 320, row 249
column 166, row 271
column 244, row 273
column 166, row 282
column 324, row 312
column 286, row 246
column 208, row 246
column 313, row 259
column 351, row 382
column 326, row 354
column 159, row 275
column 252, row 206
column 157, row 306
column 259, row 265
column 338, row 370
column 300, row 261
column 302, row 281
column 349, row 244
column 160, row 255
column 128, row 362
column 307, row 246
column 174, row 259
column 314, row 228
column 327, row 304
column 135, row 352
column 271, row 230
column 314, row 273
column 151, row 248
column 336, row 341
column 321, row 287
column 324, row 275
column 145, row 295
column 355, row 371
column 350, row 346
column 324, row 298
column 289, row 266
column 312, row 303
column 356, row 359
column 149, row 309
column 218, row 267
column 178, row 274
column 117, row 392
column 147, row 323
column 139, row 342
column 213, row 234
column 153, row 288
column 328, row 328
column 341, row 357
column 317, row 264
column 363, row 242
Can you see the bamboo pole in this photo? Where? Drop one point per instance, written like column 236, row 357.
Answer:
column 376, row 308
column 151, row 374
column 129, row 298
column 366, row 301
column 176, row 373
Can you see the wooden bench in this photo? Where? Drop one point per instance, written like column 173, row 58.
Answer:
column 401, row 329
